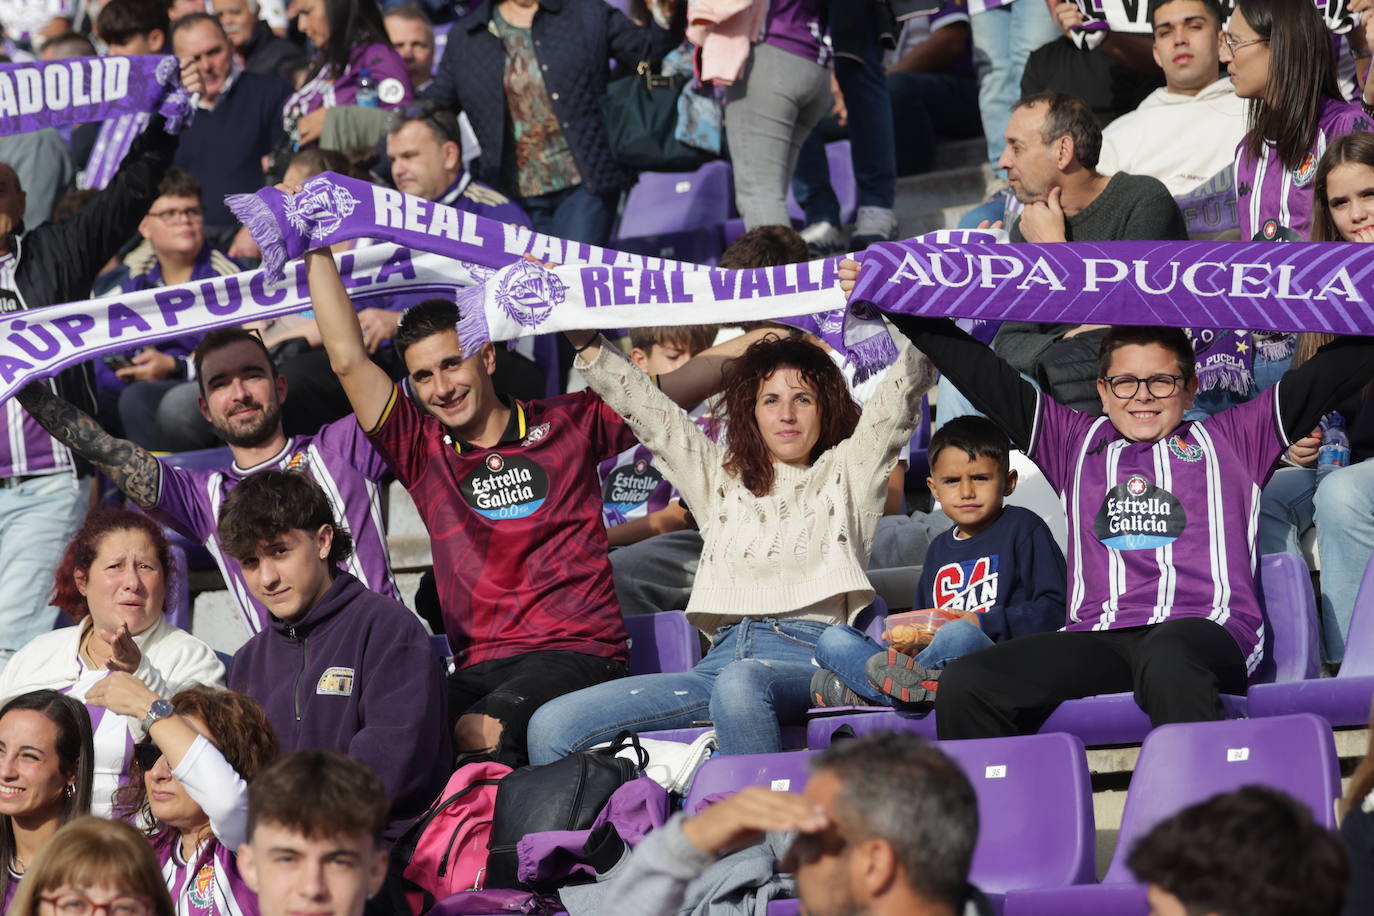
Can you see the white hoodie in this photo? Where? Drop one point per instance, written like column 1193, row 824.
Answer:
column 1183, row 140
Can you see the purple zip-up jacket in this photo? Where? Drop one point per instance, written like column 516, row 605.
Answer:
column 355, row 673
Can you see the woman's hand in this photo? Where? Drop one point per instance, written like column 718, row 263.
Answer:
column 123, row 694
column 124, row 652
column 849, row 274
column 310, row 127
column 1303, row 453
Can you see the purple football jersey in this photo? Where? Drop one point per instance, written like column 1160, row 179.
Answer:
column 209, row 885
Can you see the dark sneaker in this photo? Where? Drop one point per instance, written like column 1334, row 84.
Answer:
column 828, row 690
column 900, row 676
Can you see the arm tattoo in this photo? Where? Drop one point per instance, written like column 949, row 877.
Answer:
column 131, row 467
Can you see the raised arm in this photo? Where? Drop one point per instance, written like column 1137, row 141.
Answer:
column 132, row 468
column 368, row 387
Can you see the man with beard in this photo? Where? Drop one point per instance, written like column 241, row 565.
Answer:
column 241, row 397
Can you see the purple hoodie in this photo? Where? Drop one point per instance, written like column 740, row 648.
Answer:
column 356, row 673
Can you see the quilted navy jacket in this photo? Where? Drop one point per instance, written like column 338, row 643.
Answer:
column 575, row 41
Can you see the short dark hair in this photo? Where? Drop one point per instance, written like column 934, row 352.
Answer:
column 977, row 437
column 1213, row 9
column 1069, row 116
column 270, row 503
column 424, row 319
column 122, row 20
column 412, row 11
column 765, row 246
column 1251, row 852
column 319, row 794
column 178, row 183
column 904, row 789
column 193, row 19
column 691, row 337
column 1125, row 335
column 442, row 122
column 220, row 338
column 77, row 45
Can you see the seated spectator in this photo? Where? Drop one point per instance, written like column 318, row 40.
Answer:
column 112, row 582
column 94, row 864
column 1252, row 852
column 1356, row 810
column 1107, row 86
column 48, row 768
column 1339, row 505
column 370, row 684
column 1193, row 103
column 1278, row 53
column 536, row 107
column 256, row 48
column 788, row 506
column 239, row 110
column 315, row 813
column 934, row 90
column 127, row 27
column 351, row 49
column 130, row 386
column 639, row 502
column 998, row 568
column 189, row 785
column 903, row 814
column 412, row 35
column 241, row 395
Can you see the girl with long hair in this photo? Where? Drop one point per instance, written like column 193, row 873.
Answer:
column 189, row 788
column 112, row 581
column 787, row 509
column 46, row 770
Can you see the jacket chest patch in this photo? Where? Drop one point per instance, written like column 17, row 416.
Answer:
column 335, row 682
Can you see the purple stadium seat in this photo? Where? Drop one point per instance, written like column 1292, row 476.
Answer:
column 678, row 215
column 1183, row 764
column 785, row 772
column 785, row 907
column 842, row 180
column 1100, row 900
column 1341, row 700
column 1114, row 718
column 734, row 228
column 793, row 736
column 176, row 605
column 1033, row 786
column 662, row 642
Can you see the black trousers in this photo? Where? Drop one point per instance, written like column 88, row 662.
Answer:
column 1175, row 669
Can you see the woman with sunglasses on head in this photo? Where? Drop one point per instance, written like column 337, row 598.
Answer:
column 91, row 866
column 189, row 787
column 46, row 768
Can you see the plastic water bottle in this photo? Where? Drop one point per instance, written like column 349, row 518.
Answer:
column 367, row 90
column 1335, row 450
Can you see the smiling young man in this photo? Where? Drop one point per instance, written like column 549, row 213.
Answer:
column 338, row 667
column 1162, row 514
column 315, row 845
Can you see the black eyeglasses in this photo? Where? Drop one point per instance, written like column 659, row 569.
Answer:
column 146, row 755
column 442, row 119
column 1159, row 386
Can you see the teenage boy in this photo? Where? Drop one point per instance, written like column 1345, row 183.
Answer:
column 508, row 493
column 339, row 666
column 638, row 502
column 315, row 824
column 1162, row 516
column 998, row 568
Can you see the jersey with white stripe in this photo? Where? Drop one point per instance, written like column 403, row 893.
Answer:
column 210, row 884
column 1162, row 530
column 345, row 465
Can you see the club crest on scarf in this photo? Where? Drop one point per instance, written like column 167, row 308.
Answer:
column 529, row 294
column 320, row 208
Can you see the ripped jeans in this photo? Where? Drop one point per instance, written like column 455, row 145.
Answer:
column 755, row 679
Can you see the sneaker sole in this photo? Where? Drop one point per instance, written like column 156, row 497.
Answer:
column 899, row 676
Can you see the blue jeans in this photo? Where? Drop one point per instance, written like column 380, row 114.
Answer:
column 573, row 213
column 859, row 71
column 756, row 676
column 845, row 650
column 37, row 519
column 1342, row 509
column 1002, row 40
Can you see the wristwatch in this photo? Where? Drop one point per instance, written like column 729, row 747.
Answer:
column 160, row 709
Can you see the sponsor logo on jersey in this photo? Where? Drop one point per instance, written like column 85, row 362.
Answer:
column 1271, row 231
column 629, row 486
column 506, row 487
column 1137, row 515
column 335, row 682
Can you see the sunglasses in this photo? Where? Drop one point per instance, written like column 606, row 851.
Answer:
column 146, row 755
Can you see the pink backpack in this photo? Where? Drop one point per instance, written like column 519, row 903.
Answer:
column 445, row 851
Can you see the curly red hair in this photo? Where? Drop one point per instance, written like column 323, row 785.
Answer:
column 746, row 454
column 80, row 554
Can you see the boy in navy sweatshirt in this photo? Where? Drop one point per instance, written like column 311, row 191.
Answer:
column 998, row 568
column 339, row 667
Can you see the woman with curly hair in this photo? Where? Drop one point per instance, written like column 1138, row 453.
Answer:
column 189, row 788
column 787, row 509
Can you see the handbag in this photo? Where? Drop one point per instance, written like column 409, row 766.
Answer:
column 641, row 116
column 567, row 794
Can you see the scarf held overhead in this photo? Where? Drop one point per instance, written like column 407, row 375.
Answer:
column 52, row 94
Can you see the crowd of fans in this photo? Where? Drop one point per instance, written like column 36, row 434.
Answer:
column 744, row 475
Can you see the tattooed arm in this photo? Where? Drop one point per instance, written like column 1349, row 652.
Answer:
column 135, row 471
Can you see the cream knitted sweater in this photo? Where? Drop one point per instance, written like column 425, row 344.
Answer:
column 801, row 550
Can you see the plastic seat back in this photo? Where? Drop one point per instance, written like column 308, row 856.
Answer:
column 785, row 772
column 662, row 642
column 1290, row 620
